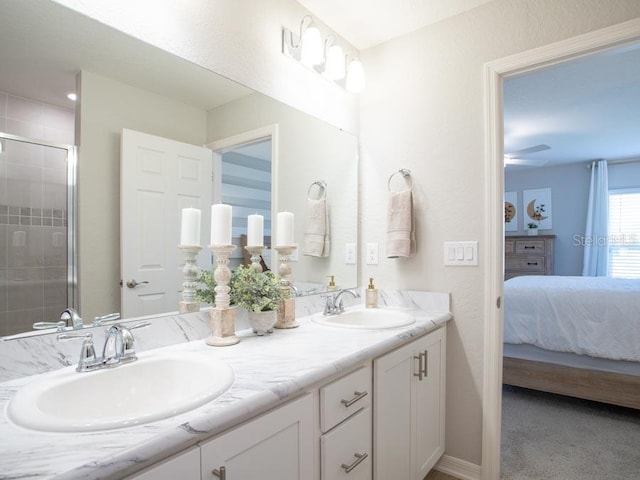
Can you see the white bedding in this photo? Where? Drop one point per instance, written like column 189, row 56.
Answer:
column 596, row 316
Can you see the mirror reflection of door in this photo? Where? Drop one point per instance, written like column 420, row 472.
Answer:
column 159, row 177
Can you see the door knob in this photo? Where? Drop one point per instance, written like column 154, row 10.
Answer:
column 133, row 283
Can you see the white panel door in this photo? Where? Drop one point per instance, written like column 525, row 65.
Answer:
column 159, row 177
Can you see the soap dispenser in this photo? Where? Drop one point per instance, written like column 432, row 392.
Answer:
column 372, row 295
column 332, row 283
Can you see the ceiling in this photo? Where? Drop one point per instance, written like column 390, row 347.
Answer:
column 583, row 109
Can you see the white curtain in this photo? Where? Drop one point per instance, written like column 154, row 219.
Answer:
column 596, row 255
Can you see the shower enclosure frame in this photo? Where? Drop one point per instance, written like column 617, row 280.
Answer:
column 72, row 178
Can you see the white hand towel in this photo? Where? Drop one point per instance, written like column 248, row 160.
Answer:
column 316, row 231
column 400, row 225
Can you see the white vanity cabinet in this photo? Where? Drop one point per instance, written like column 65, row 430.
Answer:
column 275, row 446
column 408, row 408
column 185, row 466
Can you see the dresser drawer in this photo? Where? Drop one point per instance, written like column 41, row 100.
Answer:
column 344, row 397
column 526, row 264
column 348, row 447
column 530, row 247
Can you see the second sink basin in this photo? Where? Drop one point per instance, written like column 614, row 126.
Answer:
column 368, row 318
column 154, row 387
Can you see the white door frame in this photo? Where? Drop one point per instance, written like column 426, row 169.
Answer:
column 494, row 74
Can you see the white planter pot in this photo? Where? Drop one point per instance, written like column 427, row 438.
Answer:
column 262, row 322
column 532, row 232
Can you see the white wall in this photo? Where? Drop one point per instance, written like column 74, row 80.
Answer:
column 106, row 108
column 239, row 39
column 423, row 110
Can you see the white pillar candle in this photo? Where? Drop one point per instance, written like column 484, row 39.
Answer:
column 285, row 229
column 190, row 227
column 221, row 224
column 255, row 230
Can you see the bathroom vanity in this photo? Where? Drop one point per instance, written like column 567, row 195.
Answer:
column 312, row 403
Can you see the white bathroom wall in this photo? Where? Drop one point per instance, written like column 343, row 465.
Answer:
column 106, row 107
column 239, row 39
column 423, row 110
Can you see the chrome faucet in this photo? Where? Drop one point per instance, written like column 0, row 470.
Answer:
column 334, row 304
column 118, row 348
column 69, row 319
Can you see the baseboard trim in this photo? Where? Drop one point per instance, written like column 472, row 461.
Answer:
column 459, row 468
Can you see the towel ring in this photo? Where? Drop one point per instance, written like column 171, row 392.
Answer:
column 322, row 185
column 405, row 172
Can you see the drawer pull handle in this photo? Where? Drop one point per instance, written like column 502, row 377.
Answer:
column 422, row 367
column 221, row 474
column 532, row 263
column 359, row 459
column 529, row 247
column 358, row 396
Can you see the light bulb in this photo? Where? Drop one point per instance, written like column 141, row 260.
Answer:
column 334, row 69
column 311, row 53
column 355, row 77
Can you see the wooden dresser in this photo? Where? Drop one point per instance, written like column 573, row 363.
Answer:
column 528, row 255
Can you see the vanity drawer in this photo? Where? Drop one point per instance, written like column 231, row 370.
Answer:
column 344, row 397
column 347, row 447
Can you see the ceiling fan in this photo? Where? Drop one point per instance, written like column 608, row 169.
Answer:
column 512, row 158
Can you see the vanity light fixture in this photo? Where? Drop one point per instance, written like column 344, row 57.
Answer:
column 325, row 57
column 355, row 76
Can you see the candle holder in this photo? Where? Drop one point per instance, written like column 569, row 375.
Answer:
column 222, row 315
column 287, row 309
column 256, row 252
column 188, row 303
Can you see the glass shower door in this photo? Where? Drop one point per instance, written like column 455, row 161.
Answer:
column 37, row 234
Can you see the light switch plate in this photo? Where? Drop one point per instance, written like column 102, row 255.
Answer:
column 461, row 253
column 372, row 254
column 350, row 254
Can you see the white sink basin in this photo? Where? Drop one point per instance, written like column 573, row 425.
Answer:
column 368, row 318
column 154, row 387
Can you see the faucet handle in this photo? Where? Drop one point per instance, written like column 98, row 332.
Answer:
column 87, row 359
column 104, row 319
column 128, row 350
column 59, row 326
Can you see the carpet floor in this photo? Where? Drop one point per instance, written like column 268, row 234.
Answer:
column 546, row 436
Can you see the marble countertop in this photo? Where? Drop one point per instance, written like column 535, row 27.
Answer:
column 268, row 371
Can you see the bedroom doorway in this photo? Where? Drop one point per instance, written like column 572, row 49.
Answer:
column 495, row 74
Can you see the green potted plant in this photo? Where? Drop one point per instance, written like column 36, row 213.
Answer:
column 206, row 293
column 259, row 293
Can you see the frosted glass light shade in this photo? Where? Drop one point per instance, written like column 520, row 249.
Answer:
column 311, row 51
column 334, row 68
column 355, row 77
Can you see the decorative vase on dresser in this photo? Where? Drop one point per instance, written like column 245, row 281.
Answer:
column 525, row 255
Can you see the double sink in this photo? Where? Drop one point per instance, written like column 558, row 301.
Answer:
column 158, row 385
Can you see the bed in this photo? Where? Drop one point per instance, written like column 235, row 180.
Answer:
column 577, row 336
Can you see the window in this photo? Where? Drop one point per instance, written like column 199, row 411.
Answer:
column 624, row 233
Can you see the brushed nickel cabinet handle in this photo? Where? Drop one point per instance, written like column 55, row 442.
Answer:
column 425, row 371
column 358, row 396
column 419, row 374
column 359, row 459
column 221, row 474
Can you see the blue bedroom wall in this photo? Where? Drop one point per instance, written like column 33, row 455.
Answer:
column 569, row 196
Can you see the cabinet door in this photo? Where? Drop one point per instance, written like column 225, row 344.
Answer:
column 430, row 404
column 185, row 466
column 408, row 426
column 392, row 405
column 275, row 446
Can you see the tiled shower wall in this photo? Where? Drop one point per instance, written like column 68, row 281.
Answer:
column 33, row 213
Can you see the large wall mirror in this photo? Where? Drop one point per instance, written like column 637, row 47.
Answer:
column 47, row 51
